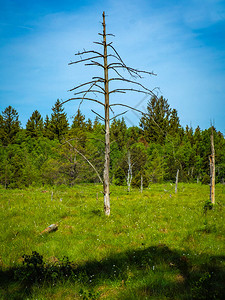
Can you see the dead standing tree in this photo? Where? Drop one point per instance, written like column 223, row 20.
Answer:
column 110, row 61
column 212, row 169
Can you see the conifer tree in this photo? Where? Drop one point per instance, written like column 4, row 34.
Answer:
column 1, row 128
column 34, row 126
column 58, row 124
column 118, row 132
column 47, row 127
column 155, row 124
column 79, row 120
column 10, row 125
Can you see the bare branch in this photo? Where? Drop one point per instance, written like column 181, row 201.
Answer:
column 85, row 159
column 120, row 104
column 86, row 83
column 110, row 34
column 119, row 115
column 131, row 90
column 118, row 73
column 120, row 59
column 89, row 91
column 90, row 51
column 94, row 63
column 135, row 71
column 134, row 82
column 85, row 59
column 98, row 43
column 98, row 115
column 82, row 98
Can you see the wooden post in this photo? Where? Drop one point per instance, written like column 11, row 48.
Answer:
column 106, row 183
column 176, row 181
column 212, row 170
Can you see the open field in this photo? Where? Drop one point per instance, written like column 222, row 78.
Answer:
column 155, row 245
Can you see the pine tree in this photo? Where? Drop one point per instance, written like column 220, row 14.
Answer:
column 47, row 128
column 58, row 124
column 174, row 124
column 1, row 128
column 118, row 133
column 155, row 124
column 34, row 126
column 79, row 121
column 10, row 125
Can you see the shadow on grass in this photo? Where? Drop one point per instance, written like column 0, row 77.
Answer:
column 138, row 274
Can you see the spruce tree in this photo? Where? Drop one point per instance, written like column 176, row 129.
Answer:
column 155, row 124
column 118, row 133
column 10, row 125
column 34, row 126
column 79, row 121
column 58, row 124
column 47, row 128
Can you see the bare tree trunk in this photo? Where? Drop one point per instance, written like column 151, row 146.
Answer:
column 176, row 181
column 141, row 183
column 129, row 173
column 106, row 185
column 212, row 171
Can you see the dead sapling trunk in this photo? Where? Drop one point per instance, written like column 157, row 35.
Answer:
column 129, row 172
column 176, row 184
column 212, row 170
column 110, row 62
column 141, row 183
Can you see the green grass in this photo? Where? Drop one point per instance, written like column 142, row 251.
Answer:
column 155, row 244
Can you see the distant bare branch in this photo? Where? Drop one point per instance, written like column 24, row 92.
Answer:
column 85, row 159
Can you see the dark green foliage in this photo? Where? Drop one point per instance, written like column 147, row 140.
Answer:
column 35, row 270
column 34, row 126
column 79, row 121
column 119, row 177
column 208, row 206
column 51, row 152
column 118, row 131
column 159, row 121
column 58, row 124
column 9, row 125
column 206, row 179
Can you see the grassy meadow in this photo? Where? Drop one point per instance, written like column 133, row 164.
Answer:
column 155, row 245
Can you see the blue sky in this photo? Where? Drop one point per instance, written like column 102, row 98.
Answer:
column 182, row 41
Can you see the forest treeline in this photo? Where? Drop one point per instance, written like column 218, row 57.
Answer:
column 50, row 151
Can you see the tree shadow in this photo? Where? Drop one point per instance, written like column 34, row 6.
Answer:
column 139, row 274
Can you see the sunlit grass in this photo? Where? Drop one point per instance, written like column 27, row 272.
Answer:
column 155, row 245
